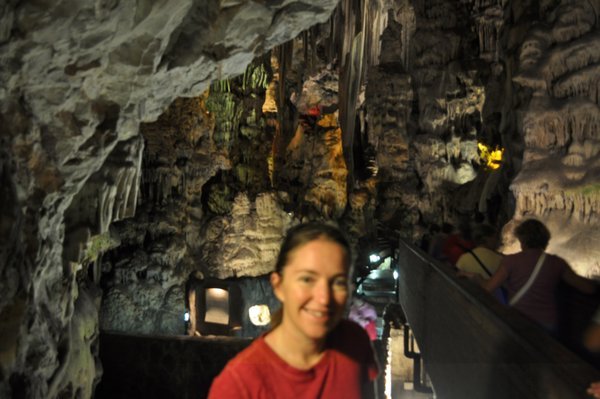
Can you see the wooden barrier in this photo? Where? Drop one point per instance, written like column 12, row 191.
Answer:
column 473, row 347
column 154, row 367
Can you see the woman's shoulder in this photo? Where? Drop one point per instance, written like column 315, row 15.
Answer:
column 557, row 260
column 509, row 260
column 253, row 353
column 247, row 364
column 232, row 381
column 524, row 256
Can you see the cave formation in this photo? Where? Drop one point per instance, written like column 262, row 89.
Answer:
column 148, row 145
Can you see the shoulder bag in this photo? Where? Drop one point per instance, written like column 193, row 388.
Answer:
column 525, row 288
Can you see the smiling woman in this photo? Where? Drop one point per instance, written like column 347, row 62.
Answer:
column 310, row 352
column 313, row 289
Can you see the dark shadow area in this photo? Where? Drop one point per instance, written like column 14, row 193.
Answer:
column 152, row 367
column 575, row 314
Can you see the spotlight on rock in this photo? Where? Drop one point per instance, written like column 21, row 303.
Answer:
column 259, row 315
column 491, row 158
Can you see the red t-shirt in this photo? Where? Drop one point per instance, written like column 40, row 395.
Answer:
column 257, row 372
column 539, row 302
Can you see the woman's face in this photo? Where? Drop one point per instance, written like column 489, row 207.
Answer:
column 313, row 289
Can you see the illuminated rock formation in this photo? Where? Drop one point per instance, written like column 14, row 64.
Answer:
column 77, row 81
column 560, row 175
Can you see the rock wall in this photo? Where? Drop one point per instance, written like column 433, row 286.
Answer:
column 217, row 196
column 519, row 76
column 78, row 78
column 424, row 108
column 558, row 64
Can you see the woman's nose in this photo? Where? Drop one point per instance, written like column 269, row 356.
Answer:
column 323, row 293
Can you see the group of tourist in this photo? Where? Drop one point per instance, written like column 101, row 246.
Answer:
column 527, row 280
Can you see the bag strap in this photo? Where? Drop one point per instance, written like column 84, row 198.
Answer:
column 523, row 290
column 479, row 261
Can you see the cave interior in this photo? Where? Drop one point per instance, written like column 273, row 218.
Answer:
column 153, row 154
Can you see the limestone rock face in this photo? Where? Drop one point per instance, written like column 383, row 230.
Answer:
column 319, row 90
column 245, row 242
column 309, row 162
column 541, row 105
column 78, row 78
column 207, row 208
column 423, row 107
column 388, row 99
column 314, row 159
column 215, row 203
column 173, row 234
column 559, row 179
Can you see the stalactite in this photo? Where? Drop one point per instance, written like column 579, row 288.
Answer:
column 583, row 83
column 354, row 61
column 334, row 41
column 106, row 201
column 125, row 179
column 575, row 122
column 314, row 35
column 309, row 48
column 350, row 80
column 285, row 54
column 349, row 30
column 379, row 23
column 572, row 57
column 133, row 199
column 406, row 17
column 305, row 46
column 282, row 57
column 489, row 23
column 582, row 204
column 344, row 81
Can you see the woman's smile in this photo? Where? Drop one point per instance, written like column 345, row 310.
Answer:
column 319, row 315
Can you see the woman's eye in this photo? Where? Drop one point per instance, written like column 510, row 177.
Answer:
column 340, row 284
column 306, row 279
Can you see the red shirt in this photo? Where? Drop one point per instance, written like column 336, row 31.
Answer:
column 454, row 246
column 539, row 302
column 257, row 372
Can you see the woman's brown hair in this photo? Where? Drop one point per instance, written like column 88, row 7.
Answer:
column 533, row 234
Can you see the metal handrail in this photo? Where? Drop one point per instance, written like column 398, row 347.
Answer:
column 473, row 346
